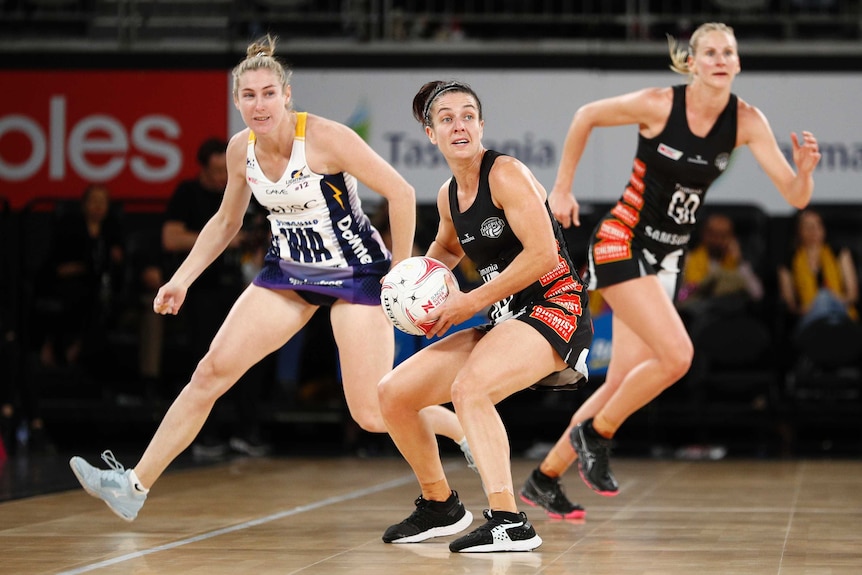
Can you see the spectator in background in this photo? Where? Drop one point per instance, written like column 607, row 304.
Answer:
column 82, row 277
column 85, row 270
column 210, row 298
column 717, row 280
column 819, row 281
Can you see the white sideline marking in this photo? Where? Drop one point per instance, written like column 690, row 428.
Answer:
column 240, row 526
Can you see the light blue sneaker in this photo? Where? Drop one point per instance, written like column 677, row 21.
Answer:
column 113, row 486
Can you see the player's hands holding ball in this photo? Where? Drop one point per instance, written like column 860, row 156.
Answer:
column 420, row 296
column 169, row 299
column 457, row 308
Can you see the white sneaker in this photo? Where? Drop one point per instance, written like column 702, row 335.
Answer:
column 113, row 486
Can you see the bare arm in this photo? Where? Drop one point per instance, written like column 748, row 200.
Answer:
column 755, row 132
column 333, row 148
column 648, row 108
column 522, row 198
column 445, row 247
column 216, row 234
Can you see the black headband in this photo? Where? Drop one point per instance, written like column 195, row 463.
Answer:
column 439, row 90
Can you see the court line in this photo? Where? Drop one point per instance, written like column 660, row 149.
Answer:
column 791, row 514
column 245, row 525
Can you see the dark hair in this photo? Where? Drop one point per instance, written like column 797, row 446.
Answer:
column 423, row 99
column 209, row 148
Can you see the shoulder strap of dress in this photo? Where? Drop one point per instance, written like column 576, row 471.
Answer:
column 301, row 118
column 678, row 100
column 487, row 162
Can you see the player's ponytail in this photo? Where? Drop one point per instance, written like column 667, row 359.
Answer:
column 678, row 56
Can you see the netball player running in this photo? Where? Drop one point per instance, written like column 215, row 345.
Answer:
column 304, row 170
column 494, row 211
column 686, row 136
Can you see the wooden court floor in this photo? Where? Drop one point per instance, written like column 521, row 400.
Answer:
column 326, row 516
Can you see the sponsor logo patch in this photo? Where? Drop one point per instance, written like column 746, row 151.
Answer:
column 669, row 152
column 626, row 214
column 492, row 227
column 561, row 269
column 607, row 251
column 634, row 198
column 556, row 320
column 565, row 285
column 571, row 302
column 667, row 237
column 615, row 231
column 637, row 183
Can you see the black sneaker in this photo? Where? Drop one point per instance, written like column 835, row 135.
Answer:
column 430, row 519
column 542, row 491
column 504, row 531
column 593, row 459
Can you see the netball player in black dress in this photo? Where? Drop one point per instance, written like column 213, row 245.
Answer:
column 686, row 136
column 494, row 211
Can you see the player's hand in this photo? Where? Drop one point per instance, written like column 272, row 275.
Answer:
column 565, row 207
column 806, row 154
column 456, row 309
column 169, row 299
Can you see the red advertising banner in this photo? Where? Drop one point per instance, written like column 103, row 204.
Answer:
column 136, row 131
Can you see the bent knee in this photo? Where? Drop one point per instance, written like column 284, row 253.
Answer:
column 465, row 393
column 369, row 421
column 679, row 357
column 371, row 424
column 387, row 395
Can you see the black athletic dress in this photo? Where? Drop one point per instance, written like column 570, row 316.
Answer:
column 556, row 305
column 650, row 227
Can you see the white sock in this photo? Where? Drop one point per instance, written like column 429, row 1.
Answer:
column 136, row 483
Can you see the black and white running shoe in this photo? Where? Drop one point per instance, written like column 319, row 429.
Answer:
column 430, row 519
column 504, row 531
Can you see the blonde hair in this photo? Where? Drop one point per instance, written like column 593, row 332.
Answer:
column 679, row 56
column 260, row 55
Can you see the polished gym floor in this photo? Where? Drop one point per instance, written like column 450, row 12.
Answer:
column 326, row 515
